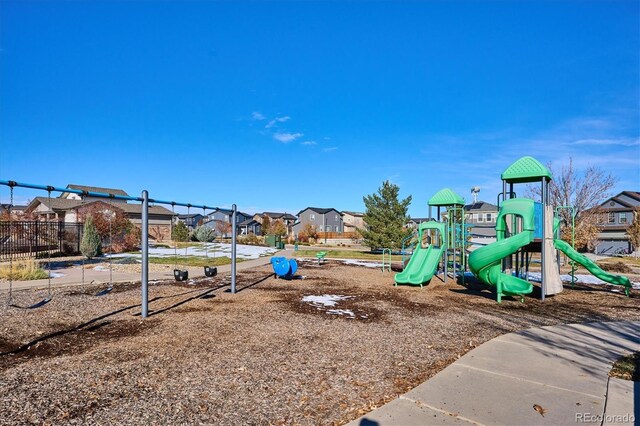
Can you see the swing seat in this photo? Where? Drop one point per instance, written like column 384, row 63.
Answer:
column 180, row 275
column 210, row 271
column 35, row 305
column 105, row 291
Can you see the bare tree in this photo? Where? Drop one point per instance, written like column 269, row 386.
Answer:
column 584, row 191
column 633, row 231
column 223, row 228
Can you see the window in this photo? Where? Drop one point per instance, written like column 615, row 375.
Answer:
column 312, row 216
column 612, row 217
column 480, row 218
column 600, row 218
column 623, row 218
column 336, row 217
column 328, row 228
column 337, row 228
column 489, row 217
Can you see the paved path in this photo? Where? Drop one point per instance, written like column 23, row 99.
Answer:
column 563, row 369
column 73, row 276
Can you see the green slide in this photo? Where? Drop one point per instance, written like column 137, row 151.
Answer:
column 592, row 266
column 485, row 262
column 424, row 261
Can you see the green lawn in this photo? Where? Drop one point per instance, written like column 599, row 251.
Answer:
column 192, row 260
column 345, row 254
column 627, row 368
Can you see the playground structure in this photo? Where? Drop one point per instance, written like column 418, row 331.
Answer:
column 523, row 227
column 438, row 243
column 144, row 200
column 284, row 268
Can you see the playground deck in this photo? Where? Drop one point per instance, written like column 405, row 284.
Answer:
column 260, row 356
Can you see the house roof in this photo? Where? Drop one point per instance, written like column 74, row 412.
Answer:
column 420, row 219
column 66, row 204
column 188, row 216
column 248, row 222
column 112, row 191
column 481, row 206
column 356, row 214
column 278, row 215
column 634, row 195
column 319, row 210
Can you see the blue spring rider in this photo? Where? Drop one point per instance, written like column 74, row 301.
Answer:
column 284, row 268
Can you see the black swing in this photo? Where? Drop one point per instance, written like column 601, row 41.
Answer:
column 178, row 274
column 209, row 271
column 49, row 295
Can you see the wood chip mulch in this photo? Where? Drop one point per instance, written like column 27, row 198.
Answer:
column 261, row 356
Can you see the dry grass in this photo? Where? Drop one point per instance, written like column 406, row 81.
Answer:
column 22, row 270
column 261, row 356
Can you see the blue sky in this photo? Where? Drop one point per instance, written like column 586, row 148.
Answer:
column 280, row 105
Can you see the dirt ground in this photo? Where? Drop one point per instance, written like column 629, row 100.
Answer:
column 261, row 356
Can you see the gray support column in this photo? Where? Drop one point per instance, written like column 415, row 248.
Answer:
column 543, row 278
column 145, row 253
column 233, row 248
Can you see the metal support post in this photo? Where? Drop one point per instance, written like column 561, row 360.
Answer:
column 145, row 253
column 233, row 248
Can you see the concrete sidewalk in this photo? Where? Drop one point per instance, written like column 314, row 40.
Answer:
column 563, row 369
column 73, row 276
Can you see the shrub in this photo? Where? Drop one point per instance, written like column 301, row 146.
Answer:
column 204, row 234
column 90, row 245
column 23, row 270
column 180, row 232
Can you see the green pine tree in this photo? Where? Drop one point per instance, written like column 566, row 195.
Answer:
column 386, row 218
column 180, row 232
column 91, row 245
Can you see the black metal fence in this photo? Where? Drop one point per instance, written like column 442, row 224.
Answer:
column 24, row 239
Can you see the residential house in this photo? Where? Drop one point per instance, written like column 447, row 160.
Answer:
column 250, row 226
column 616, row 215
column 190, row 220
column 324, row 219
column 482, row 216
column 16, row 210
column 353, row 221
column 415, row 221
column 68, row 208
column 220, row 215
column 288, row 219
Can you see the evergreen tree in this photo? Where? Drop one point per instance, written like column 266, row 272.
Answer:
column 205, row 234
column 180, row 232
column 386, row 217
column 266, row 225
column 90, row 246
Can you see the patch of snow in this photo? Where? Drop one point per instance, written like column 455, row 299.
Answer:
column 347, row 312
column 212, row 250
column 325, row 300
column 362, row 263
column 580, row 278
column 56, row 274
column 101, row 268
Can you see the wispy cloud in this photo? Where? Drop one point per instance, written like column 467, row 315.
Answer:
column 308, row 143
column 609, row 142
column 257, row 116
column 287, row 137
column 330, row 149
column 275, row 121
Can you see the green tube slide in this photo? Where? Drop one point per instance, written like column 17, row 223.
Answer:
column 592, row 267
column 424, row 261
column 485, row 262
